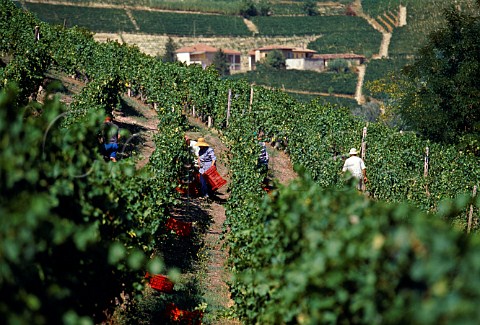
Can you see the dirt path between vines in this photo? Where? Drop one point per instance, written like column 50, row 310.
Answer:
column 217, row 291
column 142, row 120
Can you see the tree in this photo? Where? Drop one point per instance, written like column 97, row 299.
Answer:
column 310, row 8
column 275, row 59
column 220, row 61
column 265, row 8
column 170, row 48
column 248, row 9
column 438, row 95
column 339, row 65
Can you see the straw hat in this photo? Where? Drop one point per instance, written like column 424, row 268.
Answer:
column 201, row 143
column 353, row 151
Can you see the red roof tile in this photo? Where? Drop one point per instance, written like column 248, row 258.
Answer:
column 338, row 56
column 281, row 47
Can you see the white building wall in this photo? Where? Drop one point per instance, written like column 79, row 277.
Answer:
column 305, row 64
column 184, row 57
column 295, row 64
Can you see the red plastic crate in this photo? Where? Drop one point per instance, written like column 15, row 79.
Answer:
column 191, row 188
column 175, row 314
column 214, row 179
column 160, row 283
column 181, row 228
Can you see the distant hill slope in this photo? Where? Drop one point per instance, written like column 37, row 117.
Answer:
column 358, row 26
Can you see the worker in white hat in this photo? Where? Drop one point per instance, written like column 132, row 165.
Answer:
column 356, row 167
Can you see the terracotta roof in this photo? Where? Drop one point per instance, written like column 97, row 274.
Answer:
column 281, row 47
column 275, row 47
column 202, row 48
column 338, row 56
column 303, row 50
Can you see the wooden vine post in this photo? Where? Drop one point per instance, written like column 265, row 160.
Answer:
column 228, row 105
column 37, row 33
column 210, row 122
column 470, row 213
column 426, row 165
column 363, row 151
column 251, row 99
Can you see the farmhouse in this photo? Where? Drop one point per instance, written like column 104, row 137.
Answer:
column 295, row 57
column 203, row 54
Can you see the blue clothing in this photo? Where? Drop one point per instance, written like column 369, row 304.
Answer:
column 206, row 156
column 204, row 188
column 111, row 149
column 110, row 139
column 263, row 156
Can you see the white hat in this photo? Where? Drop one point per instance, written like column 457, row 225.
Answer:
column 353, row 151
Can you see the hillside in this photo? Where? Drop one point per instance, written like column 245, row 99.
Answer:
column 389, row 29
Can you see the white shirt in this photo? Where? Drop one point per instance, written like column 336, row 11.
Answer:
column 194, row 148
column 354, row 165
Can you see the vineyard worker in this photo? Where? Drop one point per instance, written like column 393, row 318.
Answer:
column 263, row 158
column 206, row 159
column 110, row 137
column 356, row 167
column 192, row 144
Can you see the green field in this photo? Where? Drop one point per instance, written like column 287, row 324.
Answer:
column 378, row 69
column 151, row 22
column 310, row 25
column 339, row 83
column 209, row 6
column 288, row 9
column 358, row 42
column 95, row 19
